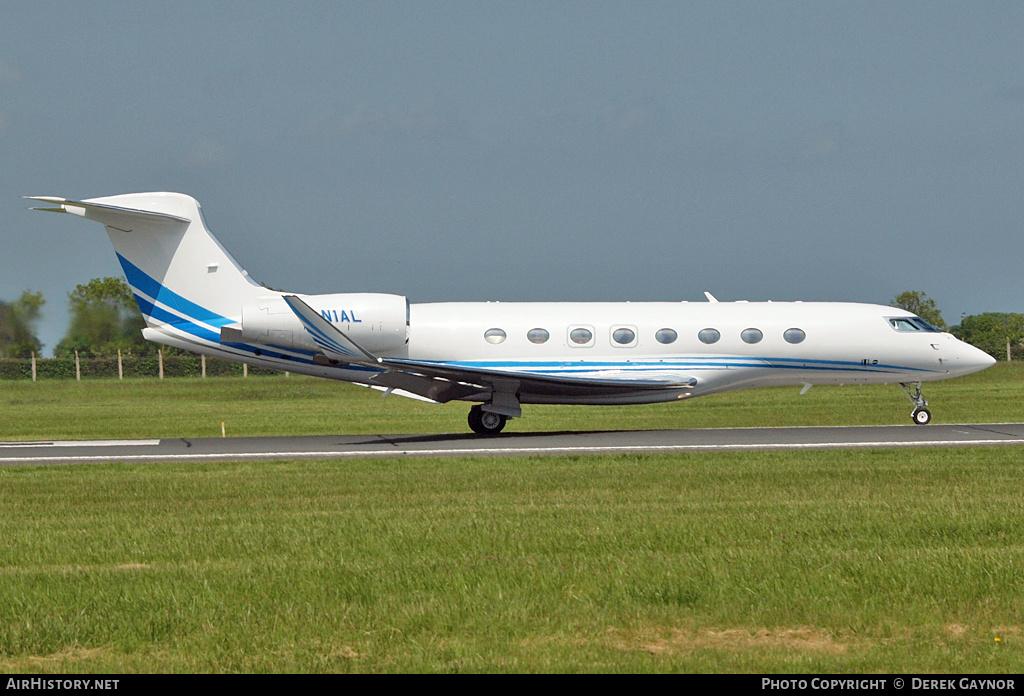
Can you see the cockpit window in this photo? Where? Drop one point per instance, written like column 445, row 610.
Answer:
column 910, row 324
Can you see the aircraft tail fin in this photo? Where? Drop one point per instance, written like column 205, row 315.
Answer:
column 179, row 272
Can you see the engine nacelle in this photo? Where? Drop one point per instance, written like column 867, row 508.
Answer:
column 377, row 322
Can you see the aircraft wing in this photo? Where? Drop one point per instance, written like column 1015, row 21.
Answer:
column 596, row 383
column 445, row 381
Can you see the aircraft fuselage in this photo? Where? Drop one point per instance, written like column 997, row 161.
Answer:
column 195, row 296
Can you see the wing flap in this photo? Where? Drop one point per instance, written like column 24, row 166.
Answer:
column 598, row 383
column 433, row 388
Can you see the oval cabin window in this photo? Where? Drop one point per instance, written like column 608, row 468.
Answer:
column 494, row 335
column 751, row 335
column 537, row 335
column 581, row 336
column 794, row 336
column 666, row 336
column 623, row 336
column 709, row 336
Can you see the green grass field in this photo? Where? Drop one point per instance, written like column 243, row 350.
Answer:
column 192, row 407
column 835, row 561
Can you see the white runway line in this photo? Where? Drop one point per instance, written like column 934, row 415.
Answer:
column 82, row 443
column 490, row 451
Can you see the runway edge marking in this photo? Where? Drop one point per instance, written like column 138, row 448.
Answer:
column 492, row 451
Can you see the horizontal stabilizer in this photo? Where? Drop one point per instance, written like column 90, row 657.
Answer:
column 110, row 215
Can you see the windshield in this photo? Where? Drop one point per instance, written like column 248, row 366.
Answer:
column 910, row 324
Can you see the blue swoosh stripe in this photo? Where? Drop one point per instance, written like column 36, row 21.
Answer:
column 193, row 313
column 325, row 341
column 201, row 332
column 139, row 280
column 703, row 368
column 688, row 361
column 321, row 338
column 561, row 367
column 270, row 353
column 160, row 314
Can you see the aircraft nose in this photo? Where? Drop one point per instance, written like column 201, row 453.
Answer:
column 971, row 359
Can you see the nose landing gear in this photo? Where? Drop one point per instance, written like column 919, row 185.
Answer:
column 921, row 415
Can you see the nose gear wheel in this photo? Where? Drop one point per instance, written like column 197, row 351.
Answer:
column 921, row 415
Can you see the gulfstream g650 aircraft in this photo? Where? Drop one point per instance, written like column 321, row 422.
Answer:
column 501, row 355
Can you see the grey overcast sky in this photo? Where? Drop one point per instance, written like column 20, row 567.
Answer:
column 531, row 150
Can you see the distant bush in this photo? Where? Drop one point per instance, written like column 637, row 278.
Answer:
column 15, row 369
column 992, row 331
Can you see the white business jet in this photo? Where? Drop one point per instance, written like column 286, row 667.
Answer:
column 195, row 296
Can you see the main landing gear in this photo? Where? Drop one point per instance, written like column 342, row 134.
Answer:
column 921, row 415
column 484, row 422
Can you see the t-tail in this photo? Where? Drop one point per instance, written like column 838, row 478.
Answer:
column 179, row 272
column 195, row 296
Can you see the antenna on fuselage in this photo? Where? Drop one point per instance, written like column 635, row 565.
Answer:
column 711, row 298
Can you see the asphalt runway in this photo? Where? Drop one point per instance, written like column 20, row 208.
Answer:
column 522, row 444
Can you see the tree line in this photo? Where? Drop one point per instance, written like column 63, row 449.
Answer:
column 106, row 319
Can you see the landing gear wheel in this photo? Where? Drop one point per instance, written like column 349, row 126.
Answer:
column 484, row 422
column 921, row 415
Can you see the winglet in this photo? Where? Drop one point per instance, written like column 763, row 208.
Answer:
column 330, row 338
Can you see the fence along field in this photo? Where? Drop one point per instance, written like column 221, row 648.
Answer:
column 126, row 366
column 101, row 406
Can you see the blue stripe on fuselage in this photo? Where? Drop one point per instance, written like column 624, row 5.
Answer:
column 680, row 363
